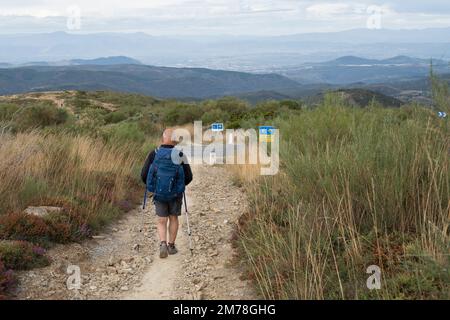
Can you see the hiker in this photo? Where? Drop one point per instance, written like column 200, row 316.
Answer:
column 167, row 204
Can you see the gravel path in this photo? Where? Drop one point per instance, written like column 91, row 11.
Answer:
column 123, row 263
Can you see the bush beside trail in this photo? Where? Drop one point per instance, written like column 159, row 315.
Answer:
column 7, row 281
column 91, row 181
column 357, row 187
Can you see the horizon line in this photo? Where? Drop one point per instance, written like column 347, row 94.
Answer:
column 219, row 35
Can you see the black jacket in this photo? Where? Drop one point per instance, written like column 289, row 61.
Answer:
column 151, row 158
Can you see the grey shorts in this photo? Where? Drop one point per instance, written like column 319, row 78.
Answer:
column 165, row 209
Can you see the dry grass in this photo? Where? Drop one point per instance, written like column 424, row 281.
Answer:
column 90, row 176
column 357, row 188
column 245, row 174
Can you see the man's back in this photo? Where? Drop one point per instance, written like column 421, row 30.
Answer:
column 151, row 157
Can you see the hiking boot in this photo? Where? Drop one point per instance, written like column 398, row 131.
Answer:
column 163, row 253
column 172, row 249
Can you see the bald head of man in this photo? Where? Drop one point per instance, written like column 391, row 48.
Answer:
column 167, row 137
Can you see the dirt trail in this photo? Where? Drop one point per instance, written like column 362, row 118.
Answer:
column 54, row 96
column 160, row 279
column 123, row 262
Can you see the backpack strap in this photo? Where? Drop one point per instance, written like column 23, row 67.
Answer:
column 150, row 167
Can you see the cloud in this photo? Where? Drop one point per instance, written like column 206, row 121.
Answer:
column 328, row 10
column 346, row 10
column 421, row 6
column 39, row 12
column 36, row 13
column 258, row 17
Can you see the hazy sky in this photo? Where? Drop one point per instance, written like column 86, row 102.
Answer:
column 211, row 17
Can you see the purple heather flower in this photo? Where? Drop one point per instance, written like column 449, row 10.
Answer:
column 39, row 251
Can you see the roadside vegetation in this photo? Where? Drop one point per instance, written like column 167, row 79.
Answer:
column 358, row 187
column 81, row 153
column 77, row 159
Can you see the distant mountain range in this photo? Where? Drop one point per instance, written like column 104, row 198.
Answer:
column 350, row 69
column 237, row 53
column 427, row 35
column 104, row 61
column 401, row 77
column 416, row 89
column 395, row 61
column 156, row 81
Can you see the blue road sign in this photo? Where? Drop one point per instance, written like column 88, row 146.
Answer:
column 265, row 133
column 442, row 115
column 217, row 127
column 266, row 130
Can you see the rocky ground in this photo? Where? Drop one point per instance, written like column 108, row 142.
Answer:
column 123, row 262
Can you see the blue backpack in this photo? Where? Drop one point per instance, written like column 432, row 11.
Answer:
column 165, row 178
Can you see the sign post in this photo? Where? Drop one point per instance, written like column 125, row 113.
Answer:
column 265, row 133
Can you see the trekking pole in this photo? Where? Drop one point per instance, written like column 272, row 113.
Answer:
column 187, row 222
column 143, row 209
column 145, row 199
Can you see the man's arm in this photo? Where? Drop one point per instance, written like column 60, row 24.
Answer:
column 187, row 173
column 187, row 169
column 146, row 167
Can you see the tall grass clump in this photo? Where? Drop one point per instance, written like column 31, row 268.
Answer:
column 87, row 178
column 357, row 187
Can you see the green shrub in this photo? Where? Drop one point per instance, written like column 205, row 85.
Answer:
column 115, row 117
column 215, row 115
column 104, row 215
column 150, row 126
column 178, row 114
column 7, row 281
column 39, row 116
column 291, row 104
column 265, row 110
column 236, row 124
column 22, row 226
column 233, row 106
column 22, row 255
column 7, row 111
column 123, row 133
